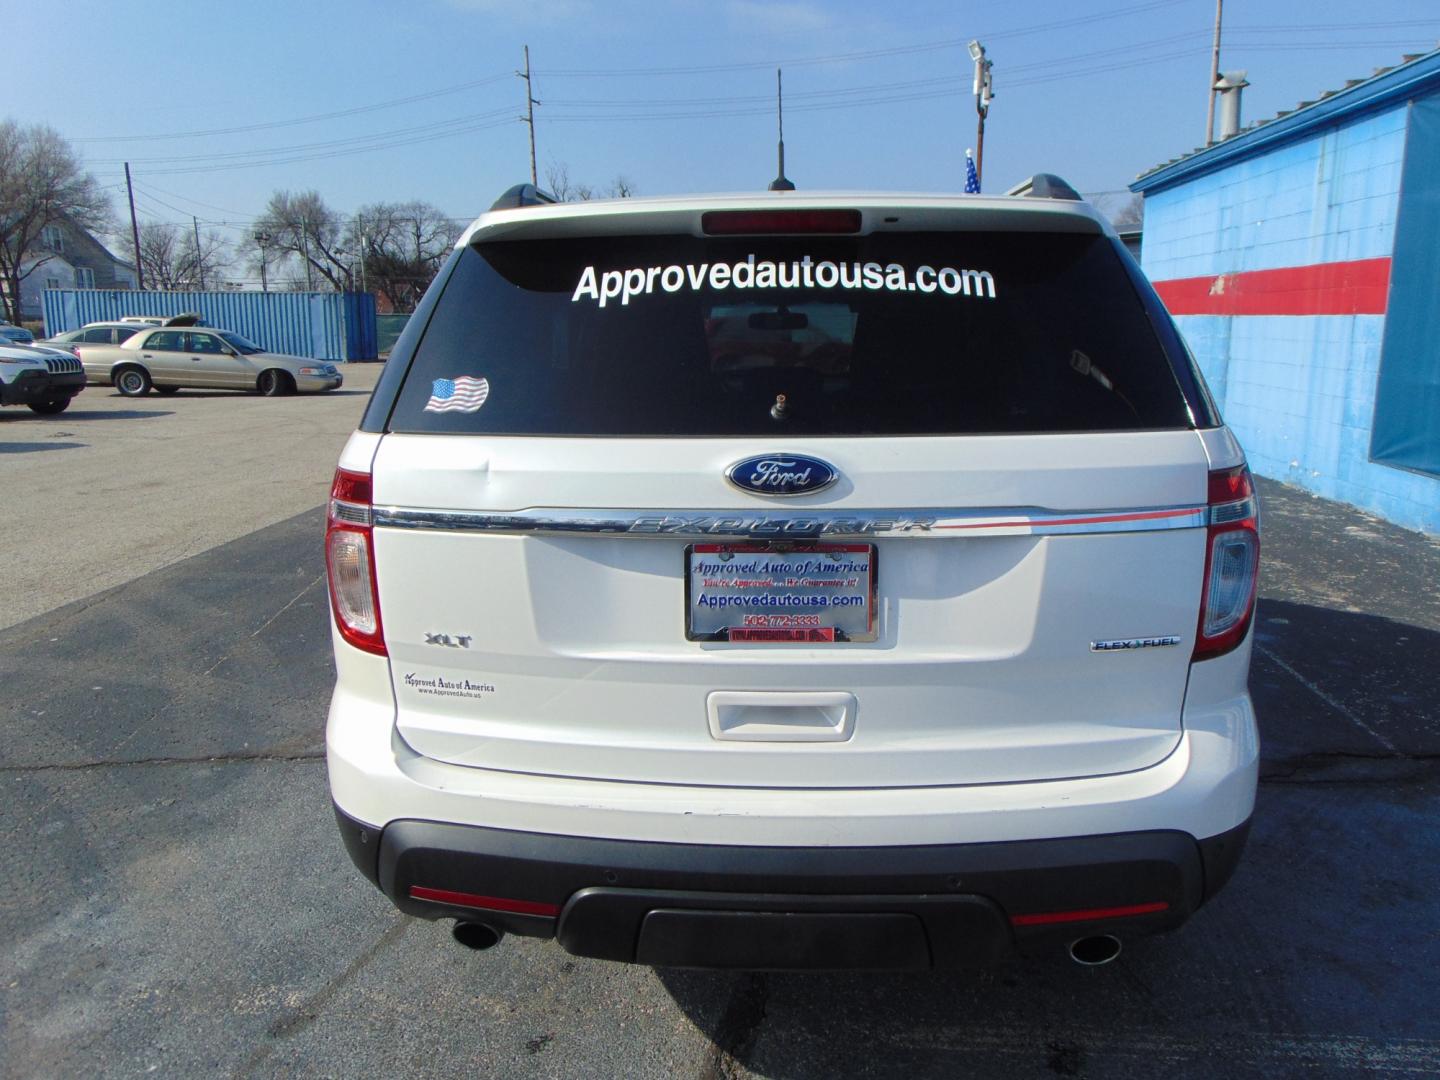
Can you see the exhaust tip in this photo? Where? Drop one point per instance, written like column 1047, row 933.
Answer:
column 476, row 936
column 1095, row 951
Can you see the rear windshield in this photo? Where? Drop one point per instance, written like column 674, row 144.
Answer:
column 892, row 334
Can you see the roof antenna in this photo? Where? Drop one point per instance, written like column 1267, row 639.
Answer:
column 780, row 183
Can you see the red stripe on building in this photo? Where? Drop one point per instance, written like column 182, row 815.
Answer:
column 1358, row 287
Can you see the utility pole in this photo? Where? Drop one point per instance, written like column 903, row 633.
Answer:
column 1214, row 78
column 529, row 117
column 984, row 86
column 262, row 239
column 134, row 231
column 199, row 259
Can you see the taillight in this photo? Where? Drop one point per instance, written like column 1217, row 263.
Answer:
column 1232, row 564
column 350, row 562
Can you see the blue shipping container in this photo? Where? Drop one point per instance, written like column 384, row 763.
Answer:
column 323, row 326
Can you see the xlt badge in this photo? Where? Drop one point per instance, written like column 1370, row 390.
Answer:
column 458, row 641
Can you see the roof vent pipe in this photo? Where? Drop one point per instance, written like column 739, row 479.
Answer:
column 1230, row 86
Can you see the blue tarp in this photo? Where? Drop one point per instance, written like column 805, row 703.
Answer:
column 1406, row 431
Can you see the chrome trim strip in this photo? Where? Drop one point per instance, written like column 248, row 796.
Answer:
column 815, row 524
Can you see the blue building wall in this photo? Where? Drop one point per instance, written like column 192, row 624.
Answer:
column 1299, row 391
column 324, row 326
column 1324, row 199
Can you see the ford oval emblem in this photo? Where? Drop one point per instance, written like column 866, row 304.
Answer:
column 781, row 474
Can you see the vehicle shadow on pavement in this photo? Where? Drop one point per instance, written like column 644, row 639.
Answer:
column 1315, row 958
column 33, row 447
column 183, row 393
column 1343, row 685
column 70, row 415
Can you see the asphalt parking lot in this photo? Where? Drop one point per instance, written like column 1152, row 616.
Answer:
column 175, row 900
column 166, row 477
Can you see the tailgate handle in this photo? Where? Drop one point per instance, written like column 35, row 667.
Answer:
column 781, row 715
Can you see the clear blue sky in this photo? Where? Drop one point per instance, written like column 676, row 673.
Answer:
column 674, row 94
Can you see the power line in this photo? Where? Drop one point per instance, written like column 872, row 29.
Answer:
column 324, row 145
column 357, row 110
column 670, row 108
column 330, row 154
column 1085, row 60
column 962, row 88
column 196, row 202
column 867, row 54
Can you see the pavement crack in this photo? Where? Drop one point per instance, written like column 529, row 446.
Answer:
column 266, row 624
column 319, row 578
column 208, row 759
column 302, row 1016
column 738, row 1028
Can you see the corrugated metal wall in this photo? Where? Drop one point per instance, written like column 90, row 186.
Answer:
column 1298, row 390
column 325, row 326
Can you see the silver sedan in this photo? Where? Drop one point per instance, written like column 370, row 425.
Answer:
column 168, row 358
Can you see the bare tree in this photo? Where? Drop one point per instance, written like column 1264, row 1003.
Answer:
column 209, row 259
column 1130, row 214
column 41, row 183
column 1123, row 209
column 171, row 260
column 559, row 184
column 403, row 246
column 302, row 227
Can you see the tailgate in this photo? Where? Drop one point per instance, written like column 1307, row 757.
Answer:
column 533, row 629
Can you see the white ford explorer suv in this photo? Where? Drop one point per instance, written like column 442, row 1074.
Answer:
column 794, row 580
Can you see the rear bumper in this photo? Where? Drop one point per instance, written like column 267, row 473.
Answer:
column 933, row 906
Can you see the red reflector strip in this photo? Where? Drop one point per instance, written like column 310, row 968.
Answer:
column 489, row 903
column 1089, row 519
column 1051, row 917
column 739, row 222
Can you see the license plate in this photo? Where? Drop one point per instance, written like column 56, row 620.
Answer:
column 808, row 594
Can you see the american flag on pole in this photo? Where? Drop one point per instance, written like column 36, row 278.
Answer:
column 972, row 178
column 463, row 394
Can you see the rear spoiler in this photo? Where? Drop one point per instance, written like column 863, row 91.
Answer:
column 1045, row 186
column 523, row 195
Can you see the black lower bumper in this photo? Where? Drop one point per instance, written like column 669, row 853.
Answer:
column 934, row 906
column 34, row 387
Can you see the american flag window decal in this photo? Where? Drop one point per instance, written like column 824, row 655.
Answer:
column 462, row 394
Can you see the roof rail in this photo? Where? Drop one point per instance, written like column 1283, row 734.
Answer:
column 523, row 195
column 1045, row 186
